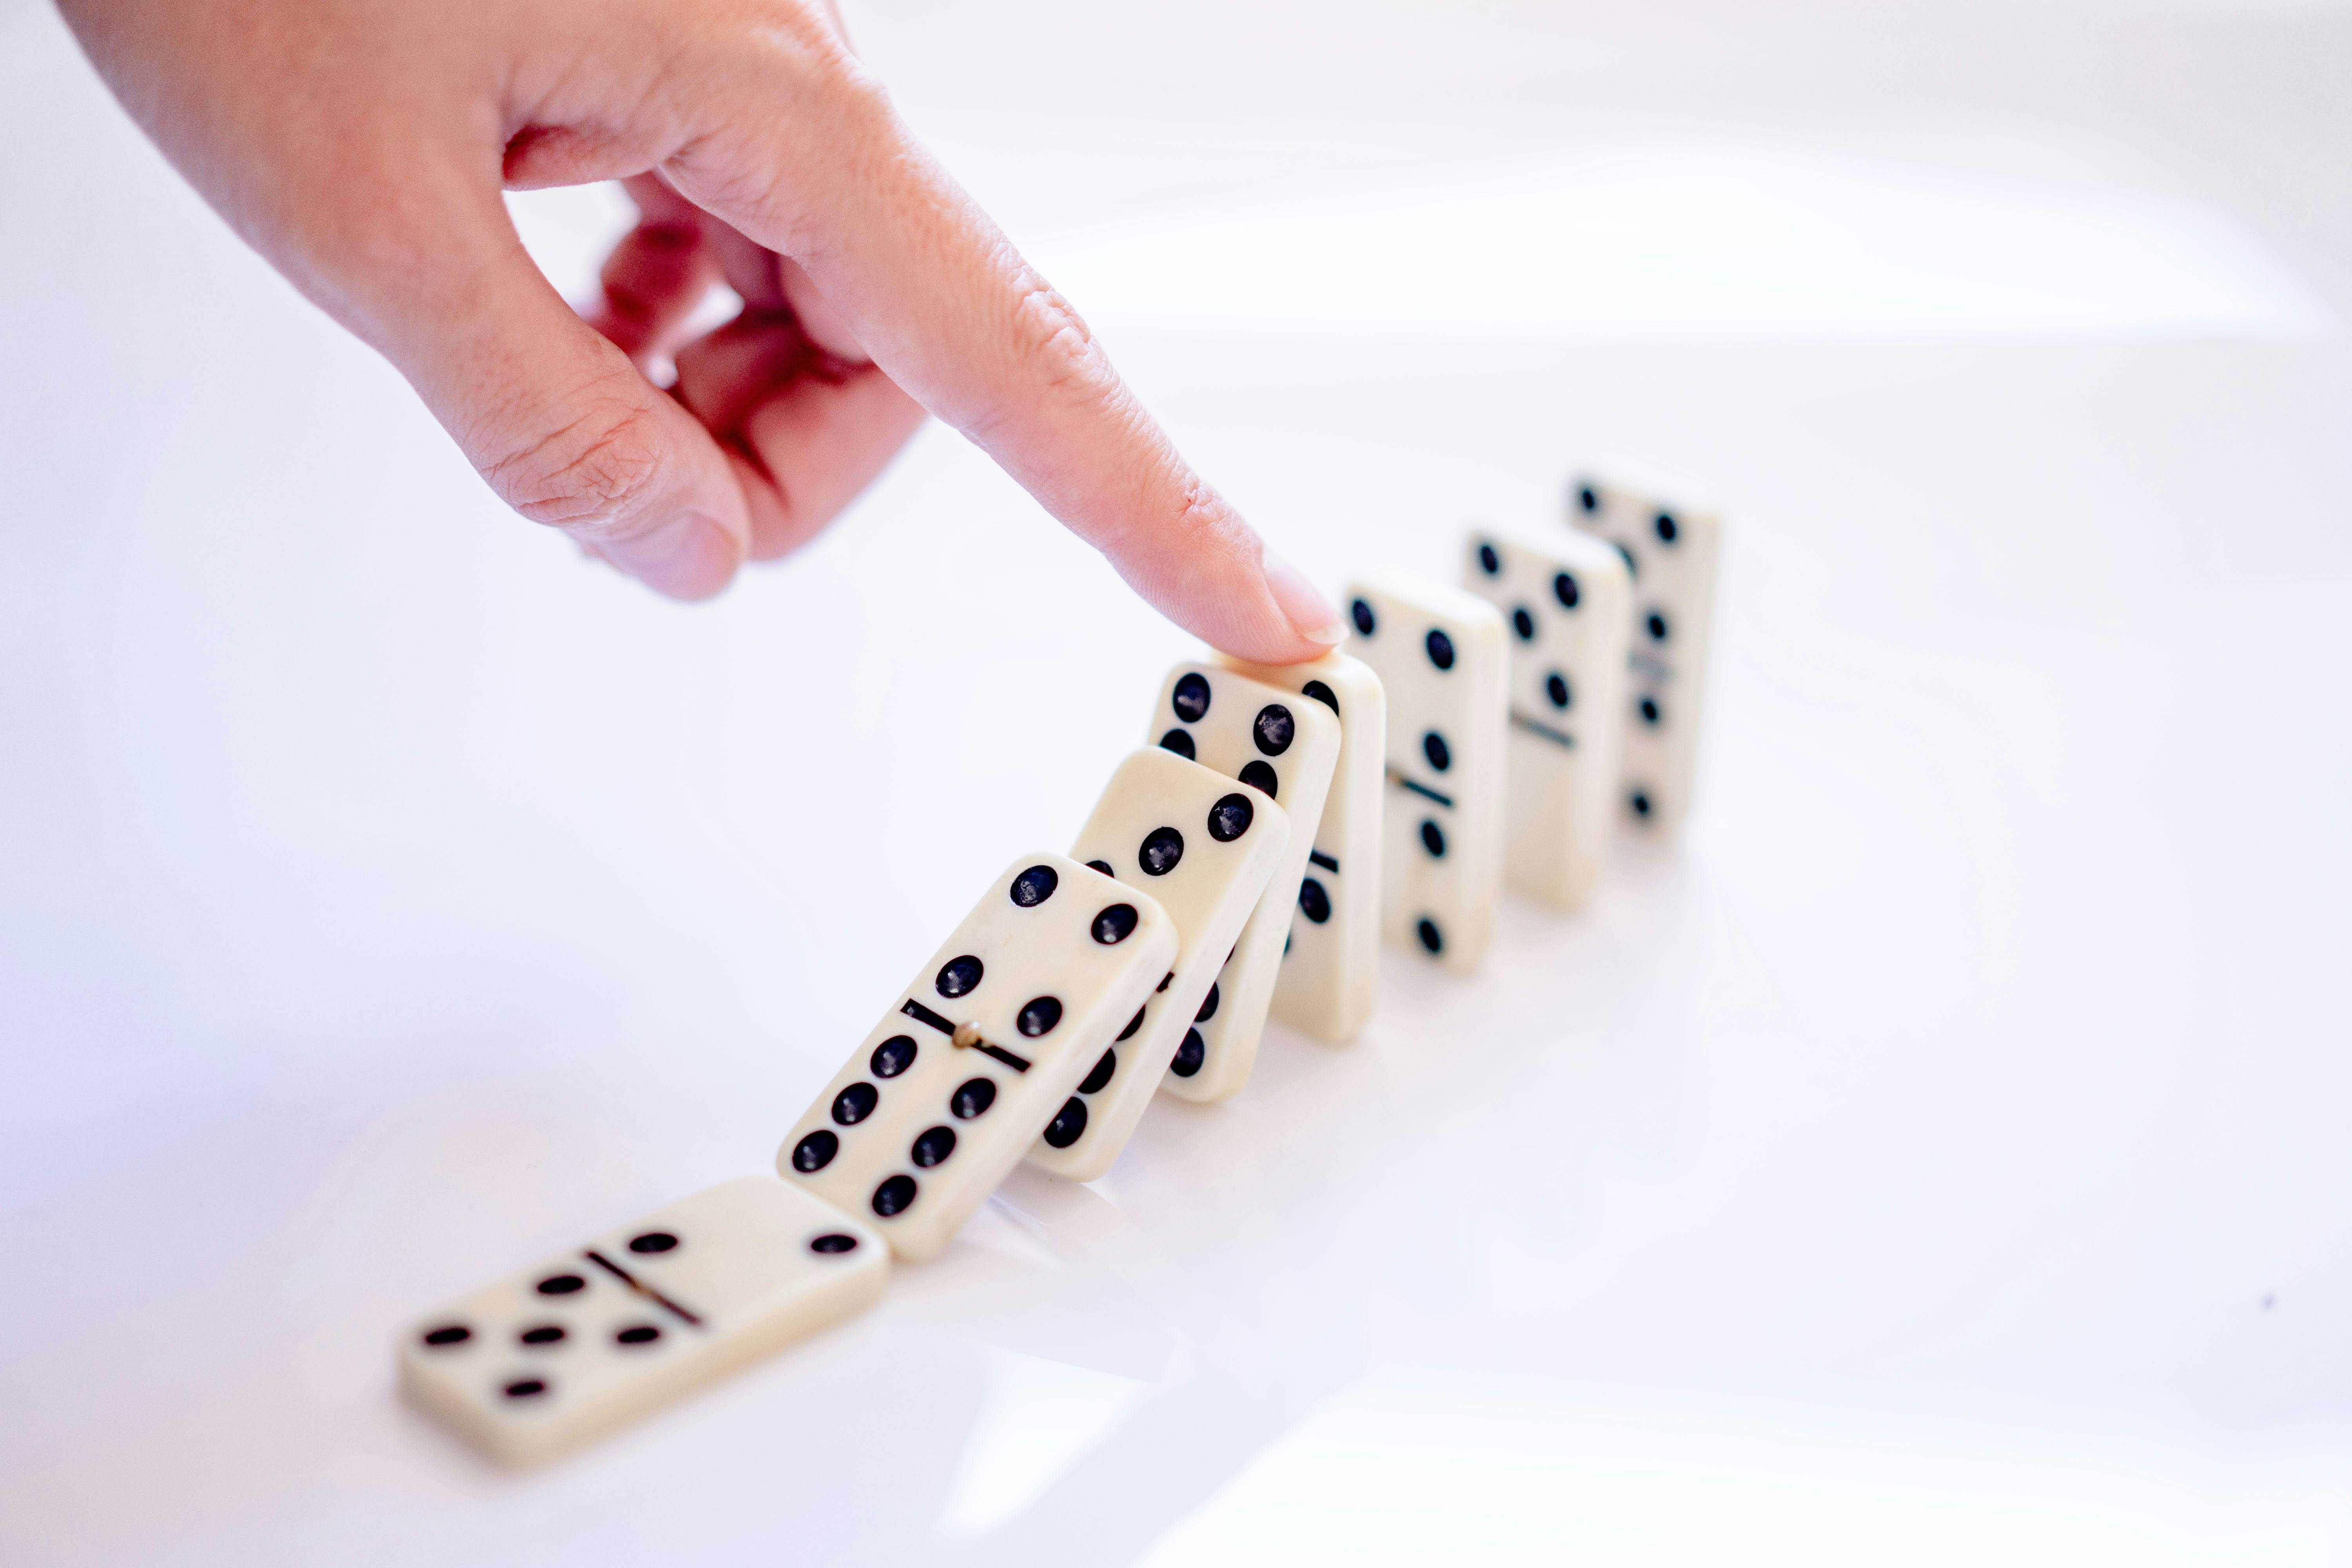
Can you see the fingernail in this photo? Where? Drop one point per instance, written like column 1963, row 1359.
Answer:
column 691, row 556
column 1309, row 613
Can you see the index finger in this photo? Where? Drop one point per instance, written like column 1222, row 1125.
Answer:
column 950, row 311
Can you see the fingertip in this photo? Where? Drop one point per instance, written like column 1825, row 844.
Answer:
column 1312, row 616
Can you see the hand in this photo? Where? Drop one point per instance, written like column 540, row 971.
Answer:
column 361, row 146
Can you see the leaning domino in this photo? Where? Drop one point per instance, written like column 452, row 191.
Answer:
column 1275, row 742
column 1673, row 556
column 1330, row 963
column 546, row 1360
column 1205, row 847
column 1439, row 656
column 1565, row 607
column 965, row 1070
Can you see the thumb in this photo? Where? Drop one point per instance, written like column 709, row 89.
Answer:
column 556, row 417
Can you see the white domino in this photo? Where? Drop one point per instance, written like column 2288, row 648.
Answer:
column 548, row 1360
column 1330, row 963
column 1672, row 555
column 1566, row 609
column 1439, row 653
column 1287, row 746
column 1205, row 847
column 980, row 1052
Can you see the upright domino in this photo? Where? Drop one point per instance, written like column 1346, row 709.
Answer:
column 1567, row 609
column 965, row 1070
column 1204, row 848
column 1330, row 963
column 1277, row 742
column 1439, row 656
column 546, row 1360
column 1672, row 555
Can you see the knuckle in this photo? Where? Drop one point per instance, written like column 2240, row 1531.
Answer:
column 1055, row 356
column 805, row 130
column 784, row 50
column 1055, row 338
column 601, row 463
column 1207, row 524
column 1199, row 508
column 1201, row 514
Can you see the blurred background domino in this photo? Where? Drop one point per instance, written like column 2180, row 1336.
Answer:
column 1565, row 608
column 1672, row 555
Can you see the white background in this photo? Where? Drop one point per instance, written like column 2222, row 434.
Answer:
column 1942, row 1157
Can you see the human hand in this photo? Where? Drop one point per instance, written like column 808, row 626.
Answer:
column 361, row 146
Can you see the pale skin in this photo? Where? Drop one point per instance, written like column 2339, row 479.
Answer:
column 363, row 146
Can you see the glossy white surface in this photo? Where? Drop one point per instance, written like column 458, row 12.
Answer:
column 1940, row 1159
